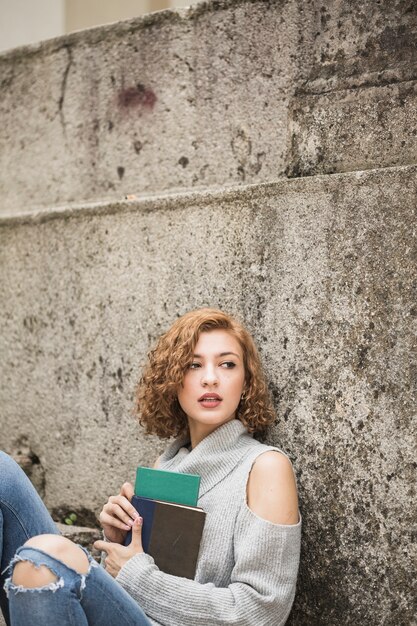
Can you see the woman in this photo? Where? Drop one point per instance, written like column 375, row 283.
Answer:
column 204, row 385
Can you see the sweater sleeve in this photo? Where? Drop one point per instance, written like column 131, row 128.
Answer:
column 261, row 590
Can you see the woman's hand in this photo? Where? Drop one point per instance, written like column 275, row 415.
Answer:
column 118, row 555
column 117, row 515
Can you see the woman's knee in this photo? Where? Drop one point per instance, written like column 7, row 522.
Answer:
column 29, row 575
column 61, row 549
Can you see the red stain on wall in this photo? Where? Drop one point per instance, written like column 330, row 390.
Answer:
column 136, row 97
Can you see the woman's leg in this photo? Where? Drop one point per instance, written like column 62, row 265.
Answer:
column 72, row 589
column 22, row 515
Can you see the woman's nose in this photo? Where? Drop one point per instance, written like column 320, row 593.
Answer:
column 209, row 376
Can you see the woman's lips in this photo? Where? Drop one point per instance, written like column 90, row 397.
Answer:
column 210, row 401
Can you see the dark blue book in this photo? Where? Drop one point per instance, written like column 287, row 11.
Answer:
column 146, row 509
column 171, row 534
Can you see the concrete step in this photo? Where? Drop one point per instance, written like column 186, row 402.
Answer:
column 224, row 93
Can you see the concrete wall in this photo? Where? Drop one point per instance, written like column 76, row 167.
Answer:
column 321, row 267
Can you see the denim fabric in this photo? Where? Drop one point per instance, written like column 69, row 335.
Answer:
column 74, row 599
column 22, row 515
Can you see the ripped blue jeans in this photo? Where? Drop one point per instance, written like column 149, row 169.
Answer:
column 75, row 599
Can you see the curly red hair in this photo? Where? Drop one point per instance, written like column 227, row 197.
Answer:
column 157, row 406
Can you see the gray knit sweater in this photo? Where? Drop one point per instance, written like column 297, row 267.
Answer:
column 247, row 566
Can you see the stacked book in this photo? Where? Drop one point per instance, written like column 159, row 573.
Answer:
column 172, row 523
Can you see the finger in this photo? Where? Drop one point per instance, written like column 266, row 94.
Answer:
column 120, row 508
column 110, row 520
column 137, row 534
column 103, row 546
column 124, row 503
column 127, row 491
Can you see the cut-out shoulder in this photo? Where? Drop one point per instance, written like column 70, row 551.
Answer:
column 247, row 513
column 271, row 489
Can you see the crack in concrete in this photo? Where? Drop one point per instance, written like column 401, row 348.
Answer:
column 307, row 88
column 63, row 89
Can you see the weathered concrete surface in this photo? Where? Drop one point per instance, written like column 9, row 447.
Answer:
column 362, row 44
column 170, row 100
column 205, row 97
column 354, row 129
column 357, row 108
column 323, row 271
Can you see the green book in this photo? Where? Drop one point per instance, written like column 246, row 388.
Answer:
column 168, row 486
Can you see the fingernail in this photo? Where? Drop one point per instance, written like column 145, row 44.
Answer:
column 130, row 522
column 128, row 527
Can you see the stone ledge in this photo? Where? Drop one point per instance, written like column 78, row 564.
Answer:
column 187, row 112
column 172, row 201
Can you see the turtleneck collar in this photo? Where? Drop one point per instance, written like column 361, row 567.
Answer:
column 213, row 458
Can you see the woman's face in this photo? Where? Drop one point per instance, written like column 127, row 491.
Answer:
column 214, row 382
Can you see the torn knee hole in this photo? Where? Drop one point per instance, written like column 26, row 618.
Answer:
column 30, row 575
column 24, row 580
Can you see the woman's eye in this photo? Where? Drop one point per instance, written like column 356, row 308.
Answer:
column 228, row 364
column 194, row 366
